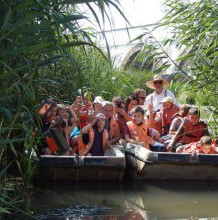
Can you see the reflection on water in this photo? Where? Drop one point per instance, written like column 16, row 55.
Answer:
column 140, row 200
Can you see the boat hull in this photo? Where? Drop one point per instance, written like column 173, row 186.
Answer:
column 144, row 164
column 62, row 168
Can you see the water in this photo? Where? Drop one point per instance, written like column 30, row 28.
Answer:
column 138, row 200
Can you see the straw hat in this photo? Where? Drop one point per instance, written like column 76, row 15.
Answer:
column 150, row 84
column 167, row 99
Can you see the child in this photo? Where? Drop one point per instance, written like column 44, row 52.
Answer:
column 64, row 121
column 88, row 102
column 48, row 116
column 178, row 118
column 48, row 112
column 81, row 140
column 137, row 132
column 122, row 116
column 191, row 130
column 112, row 125
column 97, row 104
column 131, row 102
column 204, row 146
column 98, row 137
column 166, row 113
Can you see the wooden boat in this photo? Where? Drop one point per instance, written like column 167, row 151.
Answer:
column 111, row 166
column 144, row 164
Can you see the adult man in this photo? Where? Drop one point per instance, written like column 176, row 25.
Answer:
column 158, row 84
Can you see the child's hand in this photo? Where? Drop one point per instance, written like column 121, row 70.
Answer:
column 143, row 144
column 98, row 108
column 93, row 121
column 169, row 148
column 108, row 144
column 160, row 140
column 78, row 99
column 195, row 154
column 150, row 108
column 119, row 110
column 150, row 140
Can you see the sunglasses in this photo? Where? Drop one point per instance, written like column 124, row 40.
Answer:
column 142, row 98
column 158, row 82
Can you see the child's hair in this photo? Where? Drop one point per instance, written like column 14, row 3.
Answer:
column 194, row 111
column 137, row 109
column 61, row 107
column 109, row 104
column 184, row 109
column 137, row 91
column 130, row 98
column 205, row 140
column 90, row 116
column 118, row 101
column 88, row 95
column 106, row 103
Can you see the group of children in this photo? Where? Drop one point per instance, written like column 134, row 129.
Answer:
column 90, row 128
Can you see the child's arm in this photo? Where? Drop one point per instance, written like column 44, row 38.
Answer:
column 86, row 128
column 124, row 114
column 75, row 119
column 117, row 134
column 151, row 114
column 87, row 149
column 175, row 137
column 131, row 141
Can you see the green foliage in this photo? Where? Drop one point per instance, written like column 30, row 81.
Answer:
column 92, row 73
column 36, row 39
column 194, row 28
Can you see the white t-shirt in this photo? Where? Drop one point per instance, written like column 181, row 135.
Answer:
column 157, row 98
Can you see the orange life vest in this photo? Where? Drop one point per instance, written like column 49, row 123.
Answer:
column 112, row 127
column 157, row 125
column 190, row 148
column 83, row 147
column 51, row 144
column 192, row 133
column 122, row 123
column 212, row 151
column 56, row 141
column 167, row 117
column 138, row 133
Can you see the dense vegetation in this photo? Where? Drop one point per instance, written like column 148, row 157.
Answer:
column 38, row 59
column 192, row 27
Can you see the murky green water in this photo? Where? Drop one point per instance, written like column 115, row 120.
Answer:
column 141, row 200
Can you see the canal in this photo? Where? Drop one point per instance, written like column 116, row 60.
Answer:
column 129, row 200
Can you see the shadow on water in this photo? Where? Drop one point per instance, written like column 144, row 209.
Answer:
column 129, row 200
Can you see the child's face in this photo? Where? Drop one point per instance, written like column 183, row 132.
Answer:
column 97, row 107
column 100, row 123
column 131, row 105
column 194, row 119
column 137, row 117
column 53, row 112
column 87, row 101
column 66, row 115
column 167, row 105
column 108, row 111
column 62, row 111
column 206, row 147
